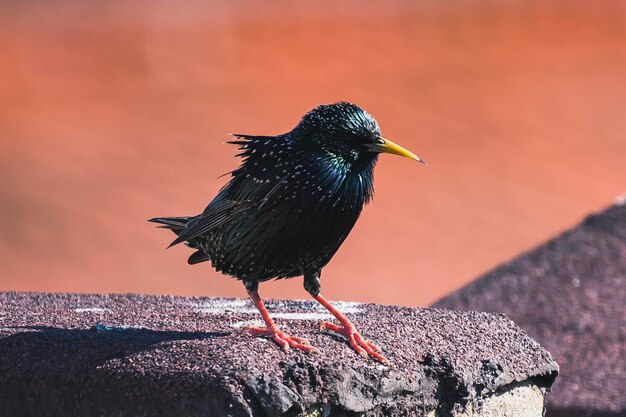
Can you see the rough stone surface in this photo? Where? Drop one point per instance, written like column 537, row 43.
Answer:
column 134, row 355
column 524, row 400
column 570, row 295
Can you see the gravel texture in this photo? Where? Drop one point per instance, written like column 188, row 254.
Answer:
column 570, row 295
column 137, row 355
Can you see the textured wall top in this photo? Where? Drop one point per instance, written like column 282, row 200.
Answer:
column 569, row 294
column 97, row 354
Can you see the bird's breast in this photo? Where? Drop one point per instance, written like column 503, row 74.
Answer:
column 297, row 227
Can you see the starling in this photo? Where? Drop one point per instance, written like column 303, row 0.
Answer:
column 288, row 207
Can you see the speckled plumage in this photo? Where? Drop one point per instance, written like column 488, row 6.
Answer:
column 292, row 202
column 288, row 207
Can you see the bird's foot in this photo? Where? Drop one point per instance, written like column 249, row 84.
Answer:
column 283, row 339
column 356, row 341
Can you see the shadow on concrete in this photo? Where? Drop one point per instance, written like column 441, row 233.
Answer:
column 50, row 371
column 91, row 347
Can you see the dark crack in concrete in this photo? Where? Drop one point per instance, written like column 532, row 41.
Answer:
column 137, row 355
column 570, row 295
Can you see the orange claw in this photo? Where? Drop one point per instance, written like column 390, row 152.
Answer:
column 283, row 339
column 356, row 341
column 347, row 329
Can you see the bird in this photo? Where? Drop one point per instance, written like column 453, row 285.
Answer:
column 287, row 209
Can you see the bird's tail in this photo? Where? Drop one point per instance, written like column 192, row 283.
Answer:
column 178, row 225
column 175, row 224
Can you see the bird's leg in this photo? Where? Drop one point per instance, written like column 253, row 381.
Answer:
column 284, row 340
column 347, row 329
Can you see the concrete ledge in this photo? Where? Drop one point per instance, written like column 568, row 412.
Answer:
column 134, row 355
column 569, row 294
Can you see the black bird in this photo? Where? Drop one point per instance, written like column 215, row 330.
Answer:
column 289, row 206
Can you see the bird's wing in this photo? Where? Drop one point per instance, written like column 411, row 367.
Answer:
column 239, row 195
column 254, row 182
column 220, row 211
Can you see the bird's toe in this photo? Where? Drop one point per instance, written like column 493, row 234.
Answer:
column 361, row 346
column 326, row 325
column 283, row 339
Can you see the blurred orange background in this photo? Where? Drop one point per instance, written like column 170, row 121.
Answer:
column 114, row 112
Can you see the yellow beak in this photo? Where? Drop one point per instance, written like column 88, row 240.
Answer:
column 387, row 146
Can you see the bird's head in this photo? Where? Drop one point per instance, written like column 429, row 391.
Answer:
column 347, row 134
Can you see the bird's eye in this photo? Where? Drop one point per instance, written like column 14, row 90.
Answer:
column 380, row 141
